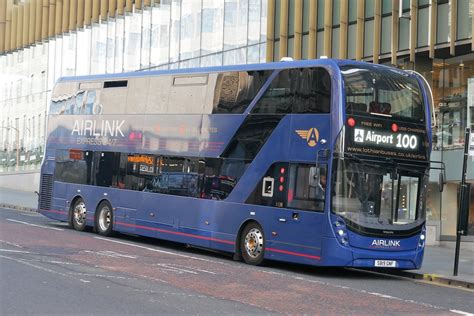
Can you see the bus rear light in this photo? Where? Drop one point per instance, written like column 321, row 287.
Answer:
column 281, row 188
column 282, row 179
column 351, row 122
column 282, row 170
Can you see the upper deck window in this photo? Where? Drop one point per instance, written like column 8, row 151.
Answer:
column 305, row 90
column 234, row 91
column 382, row 92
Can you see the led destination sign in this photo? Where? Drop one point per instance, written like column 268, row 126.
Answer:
column 404, row 141
column 384, row 138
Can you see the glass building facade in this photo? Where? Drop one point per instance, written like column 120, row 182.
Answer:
column 166, row 34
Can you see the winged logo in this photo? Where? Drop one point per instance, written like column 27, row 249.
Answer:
column 311, row 136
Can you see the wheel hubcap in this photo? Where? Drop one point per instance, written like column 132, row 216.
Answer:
column 104, row 218
column 80, row 213
column 254, row 242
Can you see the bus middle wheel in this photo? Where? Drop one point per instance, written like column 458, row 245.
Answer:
column 104, row 219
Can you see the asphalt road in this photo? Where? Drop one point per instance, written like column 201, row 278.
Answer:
column 47, row 268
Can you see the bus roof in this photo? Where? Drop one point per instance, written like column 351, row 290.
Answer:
column 245, row 67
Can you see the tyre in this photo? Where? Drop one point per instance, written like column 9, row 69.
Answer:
column 78, row 216
column 252, row 244
column 104, row 219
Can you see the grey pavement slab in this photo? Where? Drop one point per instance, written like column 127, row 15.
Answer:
column 23, row 199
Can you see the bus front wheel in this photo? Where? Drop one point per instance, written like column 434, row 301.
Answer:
column 252, row 244
column 104, row 219
column 78, row 216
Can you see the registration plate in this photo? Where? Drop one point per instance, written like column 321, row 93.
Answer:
column 386, row 263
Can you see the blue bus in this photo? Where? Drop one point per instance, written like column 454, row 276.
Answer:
column 320, row 162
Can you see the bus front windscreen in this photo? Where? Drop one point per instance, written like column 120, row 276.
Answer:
column 382, row 91
column 378, row 198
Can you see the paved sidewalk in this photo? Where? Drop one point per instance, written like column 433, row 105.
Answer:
column 25, row 200
column 437, row 265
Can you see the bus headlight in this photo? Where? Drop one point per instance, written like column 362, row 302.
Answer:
column 341, row 231
column 422, row 240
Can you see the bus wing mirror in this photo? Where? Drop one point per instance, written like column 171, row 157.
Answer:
column 441, row 181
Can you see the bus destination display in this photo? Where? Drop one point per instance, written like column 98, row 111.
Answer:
column 385, row 138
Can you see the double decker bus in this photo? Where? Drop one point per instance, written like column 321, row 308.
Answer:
column 321, row 162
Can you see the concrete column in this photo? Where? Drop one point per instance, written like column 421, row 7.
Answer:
column 138, row 4
column 66, row 13
column 14, row 23
column 45, row 16
column 3, row 24
column 434, row 26
column 413, row 29
column 454, row 26
column 32, row 22
column 377, row 29
column 52, row 17
column 88, row 13
column 129, row 6
column 80, row 13
column 112, row 8
column 95, row 11
column 283, row 29
column 270, row 30
column 58, row 22
column 26, row 25
column 73, row 16
column 327, row 28
column 313, row 29
column 120, row 7
column 298, row 43
column 38, row 20
column 360, row 29
column 104, row 8
column 19, row 26
column 8, row 25
column 395, row 22
column 344, row 24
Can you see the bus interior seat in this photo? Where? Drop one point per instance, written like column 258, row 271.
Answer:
column 380, row 107
column 352, row 107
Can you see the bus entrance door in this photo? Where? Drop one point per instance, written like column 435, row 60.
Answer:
column 298, row 233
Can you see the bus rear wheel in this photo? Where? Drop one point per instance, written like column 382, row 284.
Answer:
column 252, row 244
column 104, row 219
column 78, row 216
